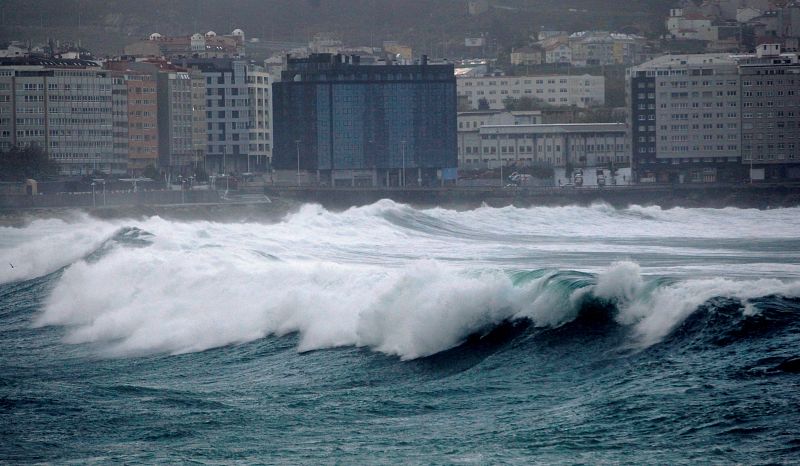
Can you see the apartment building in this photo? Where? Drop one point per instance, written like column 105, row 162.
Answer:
column 770, row 92
column 162, row 113
column 684, row 119
column 119, row 110
column 227, row 112
column 63, row 106
column 593, row 48
column 208, row 45
column 142, row 121
column 199, row 128
column 259, row 89
column 489, row 92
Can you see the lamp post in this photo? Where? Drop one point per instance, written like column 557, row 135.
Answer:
column 499, row 158
column 403, row 151
column 93, row 201
column 297, row 145
column 224, row 160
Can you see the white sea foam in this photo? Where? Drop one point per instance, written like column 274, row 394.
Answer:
column 404, row 282
column 47, row 245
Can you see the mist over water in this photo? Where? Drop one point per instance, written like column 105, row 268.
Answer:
column 335, row 334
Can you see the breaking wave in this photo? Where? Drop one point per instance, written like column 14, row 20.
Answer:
column 134, row 306
column 388, row 277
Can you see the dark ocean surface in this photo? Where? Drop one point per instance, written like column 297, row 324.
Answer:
column 386, row 334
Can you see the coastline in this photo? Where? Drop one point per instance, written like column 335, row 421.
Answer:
column 287, row 199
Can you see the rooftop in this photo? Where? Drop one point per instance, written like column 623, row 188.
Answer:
column 48, row 62
column 679, row 61
column 557, row 128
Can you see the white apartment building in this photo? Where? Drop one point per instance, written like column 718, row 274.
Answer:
column 557, row 50
column 691, row 26
column 64, row 107
column 259, row 88
column 579, row 91
column 593, row 48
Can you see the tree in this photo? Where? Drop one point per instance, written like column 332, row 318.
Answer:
column 200, row 175
column 19, row 164
column 568, row 169
column 151, row 172
column 483, row 104
column 524, row 104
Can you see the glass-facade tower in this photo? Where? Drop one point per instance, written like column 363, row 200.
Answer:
column 337, row 116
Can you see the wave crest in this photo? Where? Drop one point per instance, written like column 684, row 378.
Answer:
column 132, row 304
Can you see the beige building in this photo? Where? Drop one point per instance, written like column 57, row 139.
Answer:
column 520, row 145
column 259, row 88
column 527, row 56
column 199, row 129
column 135, row 120
column 560, row 90
column 208, row 45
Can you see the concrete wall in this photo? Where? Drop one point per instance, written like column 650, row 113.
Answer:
column 110, row 199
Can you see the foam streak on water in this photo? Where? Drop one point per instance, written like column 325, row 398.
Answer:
column 504, row 292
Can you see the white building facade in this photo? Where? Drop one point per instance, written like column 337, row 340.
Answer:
column 259, row 88
column 563, row 90
column 470, row 123
column 62, row 106
column 556, row 145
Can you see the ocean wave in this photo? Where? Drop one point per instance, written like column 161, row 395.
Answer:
column 401, row 281
column 47, row 245
column 129, row 302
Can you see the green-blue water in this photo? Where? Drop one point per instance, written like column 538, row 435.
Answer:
column 386, row 334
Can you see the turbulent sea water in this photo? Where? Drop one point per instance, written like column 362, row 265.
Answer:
column 387, row 334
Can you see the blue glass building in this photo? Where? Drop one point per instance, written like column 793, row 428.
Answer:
column 362, row 124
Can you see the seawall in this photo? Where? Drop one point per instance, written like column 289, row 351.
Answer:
column 666, row 196
column 212, row 205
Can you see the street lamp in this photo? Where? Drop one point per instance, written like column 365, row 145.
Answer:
column 297, row 145
column 403, row 150
column 224, row 160
column 499, row 158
